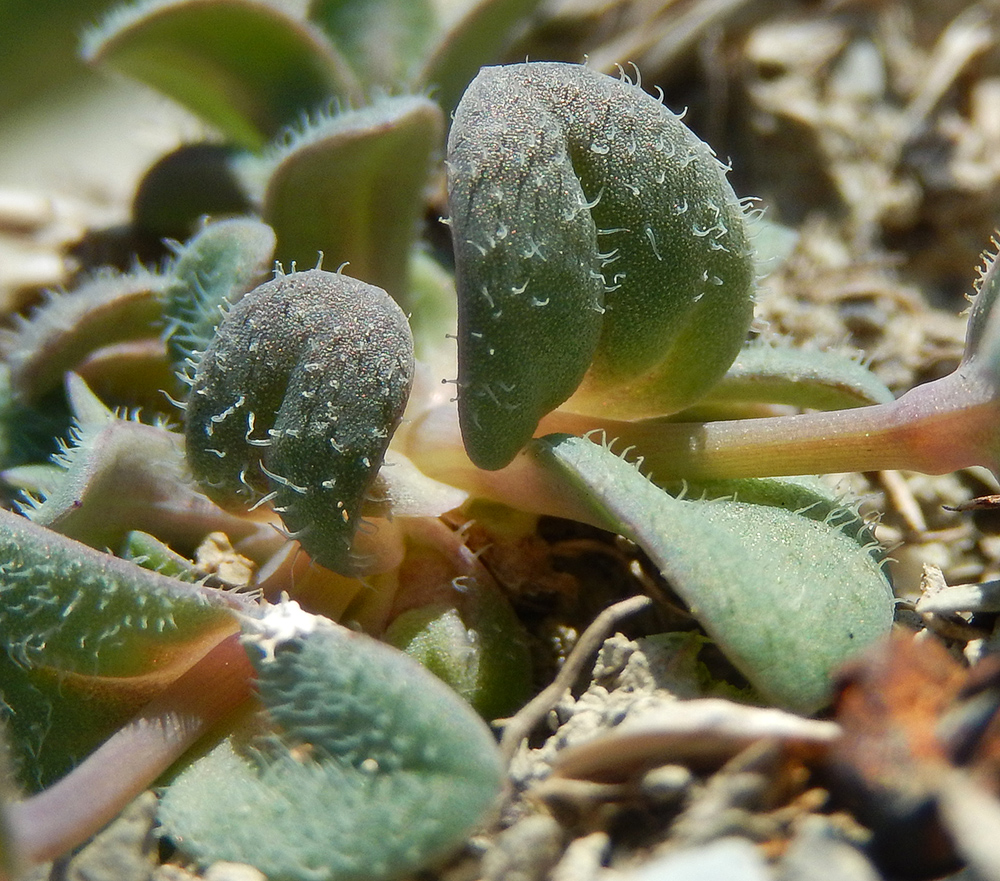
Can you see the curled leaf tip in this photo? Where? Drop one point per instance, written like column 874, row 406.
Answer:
column 597, row 241
column 294, row 403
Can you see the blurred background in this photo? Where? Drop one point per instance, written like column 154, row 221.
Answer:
column 63, row 125
column 872, row 127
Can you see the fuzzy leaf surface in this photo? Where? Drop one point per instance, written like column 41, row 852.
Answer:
column 296, row 400
column 87, row 639
column 211, row 272
column 597, row 241
column 350, row 187
column 370, row 768
column 82, row 496
column 787, row 598
column 107, row 308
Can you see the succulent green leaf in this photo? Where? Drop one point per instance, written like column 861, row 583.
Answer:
column 786, row 597
column 371, row 768
column 479, row 647
column 107, row 308
column 473, row 37
column 382, row 39
column 350, row 188
column 247, row 67
column 73, row 623
column 594, row 234
column 295, row 402
column 211, row 272
column 806, row 378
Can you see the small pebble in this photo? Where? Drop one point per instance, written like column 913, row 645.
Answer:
column 818, row 852
column 125, row 851
column 583, row 859
column 732, row 859
column 524, row 852
column 223, row 871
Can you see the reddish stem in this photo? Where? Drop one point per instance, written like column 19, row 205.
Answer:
column 935, row 428
column 48, row 824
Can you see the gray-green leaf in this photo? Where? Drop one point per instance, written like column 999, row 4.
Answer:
column 371, row 768
column 211, row 272
column 594, row 234
column 295, row 402
column 786, row 597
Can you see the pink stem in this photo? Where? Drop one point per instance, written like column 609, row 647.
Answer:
column 938, row 427
column 935, row 428
column 48, row 824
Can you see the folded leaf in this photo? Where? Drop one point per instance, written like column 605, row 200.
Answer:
column 596, row 241
column 116, row 475
column 295, row 402
column 819, row 380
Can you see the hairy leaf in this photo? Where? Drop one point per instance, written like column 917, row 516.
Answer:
column 787, row 598
column 108, row 307
column 820, row 380
column 87, row 639
column 594, row 234
column 115, row 475
column 295, row 402
column 211, row 272
column 370, row 768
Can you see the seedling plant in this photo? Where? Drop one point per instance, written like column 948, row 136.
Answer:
column 246, row 593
